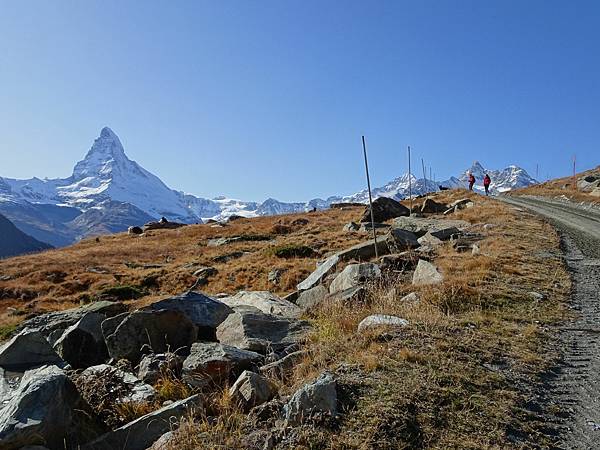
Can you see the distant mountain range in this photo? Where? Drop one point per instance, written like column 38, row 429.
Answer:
column 14, row 242
column 107, row 192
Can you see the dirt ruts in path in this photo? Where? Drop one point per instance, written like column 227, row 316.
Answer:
column 575, row 387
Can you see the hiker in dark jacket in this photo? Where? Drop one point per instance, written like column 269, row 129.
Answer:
column 471, row 181
column 486, row 184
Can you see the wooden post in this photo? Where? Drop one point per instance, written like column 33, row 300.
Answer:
column 409, row 182
column 425, row 177
column 370, row 198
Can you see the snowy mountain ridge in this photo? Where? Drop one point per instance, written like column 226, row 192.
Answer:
column 106, row 181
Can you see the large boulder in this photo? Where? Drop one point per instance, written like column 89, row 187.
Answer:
column 45, row 408
column 384, row 208
column 205, row 313
column 259, row 332
column 426, row 273
column 52, row 325
column 82, row 344
column 264, row 301
column 144, row 431
column 430, row 206
column 316, row 398
column 252, row 389
column 323, row 269
column 312, row 297
column 588, row 183
column 162, row 224
column 398, row 240
column 162, row 331
column 27, row 350
column 211, row 363
column 354, row 275
column 280, row 367
column 130, row 388
column 364, row 251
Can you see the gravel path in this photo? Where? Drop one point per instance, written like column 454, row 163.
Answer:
column 575, row 385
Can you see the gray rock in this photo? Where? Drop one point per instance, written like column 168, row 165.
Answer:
column 205, row 272
column 420, row 226
column 134, row 389
column 475, row 250
column 430, row 206
column 280, row 367
column 161, row 330
column 426, row 273
column 212, row 363
column 205, row 312
column 46, row 409
column 413, row 297
column 82, row 344
column 318, row 397
column 144, row 431
column 256, row 331
column 398, row 261
column 364, row 250
column 165, row 442
column 536, row 296
column 384, row 208
column 377, row 322
column 162, row 225
column 430, row 240
column 368, row 226
column 252, row 389
column 27, row 350
column 595, row 192
column 322, row 271
column 134, row 230
column 53, row 324
column 349, row 296
column 351, row 226
column 399, row 240
column 264, row 301
column 462, row 203
column 312, row 297
column 152, row 366
column 354, row 275
column 444, row 233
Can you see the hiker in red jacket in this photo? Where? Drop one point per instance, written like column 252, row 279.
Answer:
column 486, row 184
column 471, row 181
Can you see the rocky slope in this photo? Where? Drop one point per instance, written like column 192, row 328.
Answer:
column 14, row 242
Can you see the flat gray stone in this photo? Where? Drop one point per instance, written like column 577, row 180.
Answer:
column 354, row 275
column 27, row 350
column 426, row 274
column 380, row 321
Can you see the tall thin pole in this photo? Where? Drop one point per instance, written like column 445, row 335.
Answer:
column 425, row 177
column 409, row 182
column 370, row 198
column 574, row 172
column 537, row 172
column 430, row 177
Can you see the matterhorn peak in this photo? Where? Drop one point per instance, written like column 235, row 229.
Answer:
column 106, row 151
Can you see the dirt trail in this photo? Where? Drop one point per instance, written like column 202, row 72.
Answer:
column 573, row 396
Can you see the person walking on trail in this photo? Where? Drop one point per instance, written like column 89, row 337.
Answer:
column 486, row 184
column 471, row 181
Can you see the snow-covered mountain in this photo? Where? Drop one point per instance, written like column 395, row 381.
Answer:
column 108, row 192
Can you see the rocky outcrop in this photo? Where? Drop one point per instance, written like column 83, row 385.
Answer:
column 318, row 398
column 430, row 206
column 384, row 208
column 419, row 225
column 354, row 275
column 211, row 363
column 259, row 332
column 27, row 350
column 162, row 224
column 52, row 325
column 135, row 230
column 204, row 312
column 160, row 331
column 264, row 301
column 312, row 297
column 45, row 408
column 82, row 344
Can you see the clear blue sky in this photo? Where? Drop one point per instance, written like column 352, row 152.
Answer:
column 269, row 98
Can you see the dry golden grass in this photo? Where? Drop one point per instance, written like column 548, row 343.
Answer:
column 457, row 376
column 454, row 378
column 562, row 187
